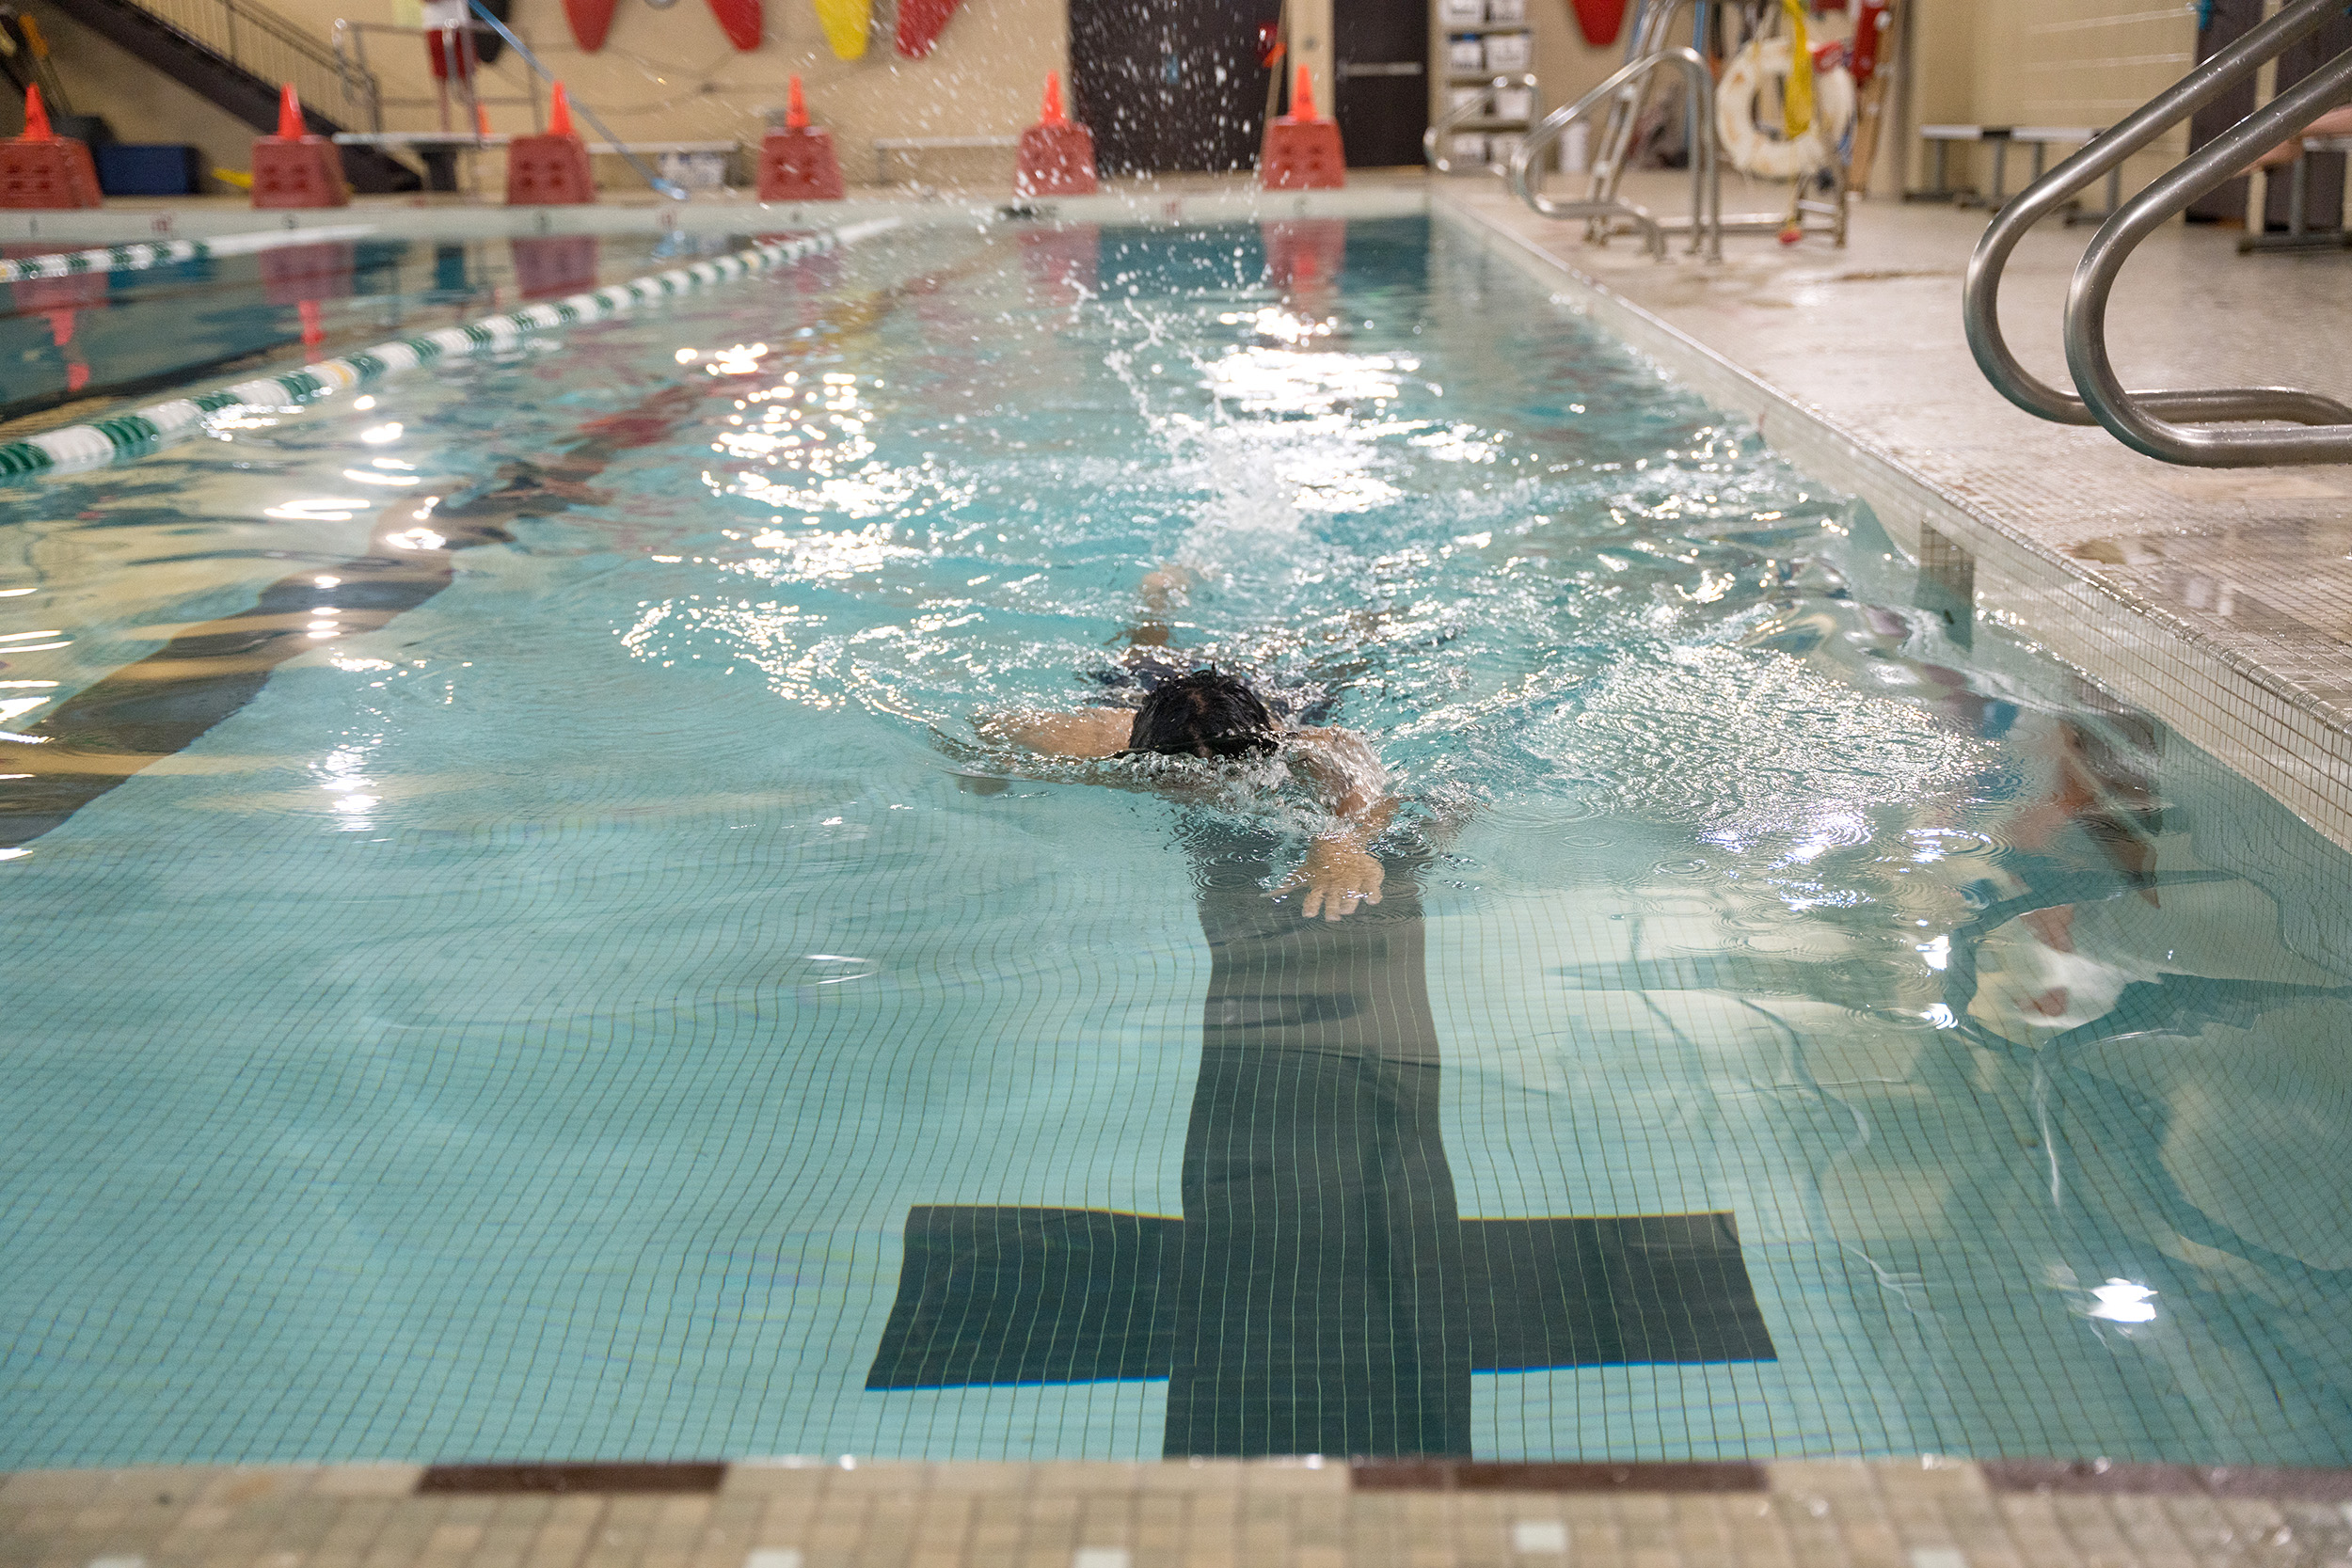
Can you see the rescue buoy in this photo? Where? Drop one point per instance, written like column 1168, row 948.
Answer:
column 1746, row 143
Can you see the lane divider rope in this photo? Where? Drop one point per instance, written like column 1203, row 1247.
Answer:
column 80, row 447
column 164, row 253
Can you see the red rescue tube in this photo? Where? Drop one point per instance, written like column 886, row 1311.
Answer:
column 1600, row 19
column 920, row 22
column 740, row 20
column 591, row 20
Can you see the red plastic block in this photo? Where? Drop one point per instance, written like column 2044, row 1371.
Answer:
column 1304, row 253
column 548, row 171
column 298, row 171
column 797, row 164
column 556, row 264
column 1058, row 153
column 1056, row 160
column 306, row 274
column 1302, row 151
column 72, row 292
column 51, row 173
column 1302, row 155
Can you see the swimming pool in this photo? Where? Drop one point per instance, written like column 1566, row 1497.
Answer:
column 573, row 985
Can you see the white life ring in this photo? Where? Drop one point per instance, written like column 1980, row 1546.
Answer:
column 1746, row 143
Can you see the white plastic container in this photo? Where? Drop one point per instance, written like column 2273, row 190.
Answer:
column 1513, row 12
column 1514, row 104
column 1507, row 52
column 1468, row 146
column 1461, row 13
column 1576, row 148
column 1458, row 97
column 1466, row 54
column 696, row 171
column 1500, row 147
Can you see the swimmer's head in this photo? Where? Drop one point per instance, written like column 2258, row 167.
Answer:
column 1205, row 714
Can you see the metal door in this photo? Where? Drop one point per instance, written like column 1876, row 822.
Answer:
column 1380, row 53
column 1169, row 85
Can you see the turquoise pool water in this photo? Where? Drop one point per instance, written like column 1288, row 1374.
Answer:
column 516, row 949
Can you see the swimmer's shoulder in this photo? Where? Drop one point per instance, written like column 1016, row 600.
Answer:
column 1089, row 732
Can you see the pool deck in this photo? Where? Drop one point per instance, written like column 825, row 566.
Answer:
column 1907, row 1514
column 2219, row 600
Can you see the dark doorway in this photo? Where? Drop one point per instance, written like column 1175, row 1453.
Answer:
column 1169, row 85
column 1380, row 50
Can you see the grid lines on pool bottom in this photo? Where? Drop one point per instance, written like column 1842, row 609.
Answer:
column 530, row 1179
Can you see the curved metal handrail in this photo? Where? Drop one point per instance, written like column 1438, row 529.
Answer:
column 1980, row 295
column 2134, row 416
column 1469, row 109
column 1706, row 186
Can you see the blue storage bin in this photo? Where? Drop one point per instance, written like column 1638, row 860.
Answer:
column 147, row 168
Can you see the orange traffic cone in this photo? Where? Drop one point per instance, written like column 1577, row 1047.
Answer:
column 41, row 168
column 796, row 162
column 1058, row 153
column 293, row 169
column 1302, row 152
column 549, row 169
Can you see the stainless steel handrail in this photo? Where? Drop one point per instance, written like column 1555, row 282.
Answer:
column 2142, row 428
column 1469, row 109
column 1706, row 182
column 1980, row 295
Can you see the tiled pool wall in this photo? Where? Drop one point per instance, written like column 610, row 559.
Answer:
column 810, row 1513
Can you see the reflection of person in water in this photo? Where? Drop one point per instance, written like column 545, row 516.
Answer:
column 1210, row 716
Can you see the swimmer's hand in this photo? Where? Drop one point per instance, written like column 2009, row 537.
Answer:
column 1338, row 875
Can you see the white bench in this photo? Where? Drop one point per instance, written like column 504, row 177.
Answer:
column 2300, row 234
column 2039, row 137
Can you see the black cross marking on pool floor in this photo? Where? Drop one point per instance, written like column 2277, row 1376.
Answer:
column 1320, row 1294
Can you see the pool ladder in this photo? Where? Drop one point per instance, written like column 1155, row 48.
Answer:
column 2173, row 425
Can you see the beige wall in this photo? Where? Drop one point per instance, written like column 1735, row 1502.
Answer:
column 666, row 75
column 2047, row 62
column 139, row 103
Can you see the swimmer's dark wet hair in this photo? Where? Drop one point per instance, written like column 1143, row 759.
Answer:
column 1205, row 714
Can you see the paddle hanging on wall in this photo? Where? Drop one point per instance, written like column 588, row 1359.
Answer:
column 919, row 25
column 590, row 21
column 740, row 20
column 1599, row 19
column 846, row 23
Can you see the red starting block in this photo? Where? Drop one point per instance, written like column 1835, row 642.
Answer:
column 796, row 162
column 41, row 168
column 1302, row 152
column 550, row 170
column 555, row 264
column 293, row 169
column 1058, row 153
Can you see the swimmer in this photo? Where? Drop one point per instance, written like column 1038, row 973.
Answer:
column 1213, row 716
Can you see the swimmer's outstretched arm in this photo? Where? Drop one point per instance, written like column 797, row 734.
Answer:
column 1341, row 872
column 1089, row 732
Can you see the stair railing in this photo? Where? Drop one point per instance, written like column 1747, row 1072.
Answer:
column 2145, row 421
column 264, row 44
column 1707, row 206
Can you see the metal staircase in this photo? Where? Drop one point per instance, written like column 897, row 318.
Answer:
column 237, row 54
column 2179, row 425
